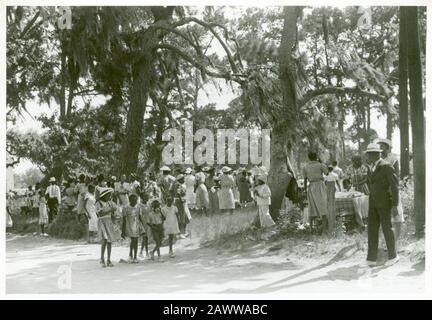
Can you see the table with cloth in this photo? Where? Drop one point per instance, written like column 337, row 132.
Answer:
column 352, row 203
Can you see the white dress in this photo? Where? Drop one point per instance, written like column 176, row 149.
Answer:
column 189, row 182
column 263, row 202
column 90, row 206
column 171, row 222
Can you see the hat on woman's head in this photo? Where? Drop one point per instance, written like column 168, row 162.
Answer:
column 373, row 147
column 205, row 169
column 104, row 191
column 165, row 168
column 188, row 170
column 226, row 169
column 52, row 179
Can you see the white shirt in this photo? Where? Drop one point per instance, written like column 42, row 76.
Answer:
column 331, row 177
column 53, row 191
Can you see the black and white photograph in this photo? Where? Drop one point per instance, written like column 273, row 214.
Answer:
column 215, row 149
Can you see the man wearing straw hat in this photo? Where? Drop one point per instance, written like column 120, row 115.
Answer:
column 383, row 202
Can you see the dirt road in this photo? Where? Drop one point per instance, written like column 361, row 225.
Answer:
column 43, row 265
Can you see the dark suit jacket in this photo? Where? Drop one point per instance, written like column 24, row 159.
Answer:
column 383, row 186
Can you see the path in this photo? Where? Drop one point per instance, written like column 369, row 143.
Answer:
column 32, row 266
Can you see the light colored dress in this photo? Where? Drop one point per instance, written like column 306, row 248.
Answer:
column 189, row 182
column 43, row 212
column 316, row 192
column 81, row 190
column 90, row 206
column 263, row 200
column 133, row 225
column 226, row 196
column 171, row 222
column 330, row 182
column 202, row 196
column 106, row 229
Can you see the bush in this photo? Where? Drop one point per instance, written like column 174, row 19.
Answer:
column 24, row 224
column 66, row 226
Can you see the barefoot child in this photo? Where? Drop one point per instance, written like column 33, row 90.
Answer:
column 145, row 209
column 43, row 214
column 171, row 223
column 156, row 220
column 132, row 226
column 105, row 210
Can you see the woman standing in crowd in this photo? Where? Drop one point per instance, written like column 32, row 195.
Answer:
column 155, row 221
column 316, row 190
column 211, row 188
column 166, row 182
column 179, row 193
column 244, row 188
column 90, row 211
column 43, row 212
column 132, row 226
column 105, row 210
column 69, row 198
column 202, row 197
column 263, row 199
column 122, row 189
column 80, row 191
column 190, row 182
column 358, row 173
column 171, row 226
column 226, row 196
column 331, row 182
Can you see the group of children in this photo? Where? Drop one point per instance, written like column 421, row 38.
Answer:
column 141, row 218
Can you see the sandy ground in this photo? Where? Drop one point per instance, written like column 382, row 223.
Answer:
column 39, row 265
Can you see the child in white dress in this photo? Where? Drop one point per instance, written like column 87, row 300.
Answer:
column 43, row 213
column 171, row 226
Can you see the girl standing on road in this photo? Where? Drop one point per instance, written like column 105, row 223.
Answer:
column 132, row 226
column 171, row 224
column 145, row 209
column 43, row 213
column 105, row 210
column 156, row 220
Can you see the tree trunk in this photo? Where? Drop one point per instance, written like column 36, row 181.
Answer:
column 278, row 173
column 417, row 116
column 63, row 84
column 403, row 97
column 389, row 120
column 135, row 118
column 142, row 83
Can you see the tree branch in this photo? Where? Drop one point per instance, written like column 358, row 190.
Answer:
column 197, row 64
column 340, row 90
column 205, row 25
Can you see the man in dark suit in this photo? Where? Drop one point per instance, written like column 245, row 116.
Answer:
column 383, row 202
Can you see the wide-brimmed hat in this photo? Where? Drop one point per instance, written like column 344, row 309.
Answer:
column 52, row 179
column 226, row 169
column 114, row 178
column 205, row 169
column 104, row 191
column 384, row 141
column 373, row 147
column 165, row 168
column 188, row 170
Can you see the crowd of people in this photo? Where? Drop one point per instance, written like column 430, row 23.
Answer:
column 153, row 206
column 159, row 205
